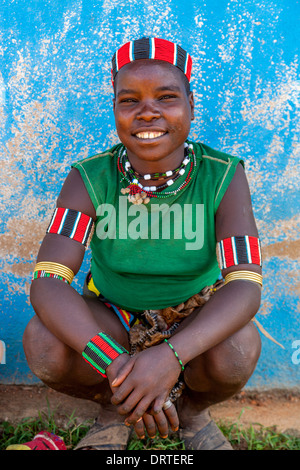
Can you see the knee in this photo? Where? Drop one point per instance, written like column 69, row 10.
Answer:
column 231, row 363
column 45, row 354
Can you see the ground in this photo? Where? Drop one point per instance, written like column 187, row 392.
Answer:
column 270, row 408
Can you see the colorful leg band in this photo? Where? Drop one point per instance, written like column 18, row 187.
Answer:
column 100, row 351
column 71, row 224
column 238, row 250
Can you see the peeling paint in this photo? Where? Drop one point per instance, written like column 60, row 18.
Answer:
column 56, row 107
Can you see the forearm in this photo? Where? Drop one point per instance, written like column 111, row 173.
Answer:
column 64, row 312
column 228, row 310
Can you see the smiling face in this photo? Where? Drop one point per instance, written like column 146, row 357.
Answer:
column 153, row 113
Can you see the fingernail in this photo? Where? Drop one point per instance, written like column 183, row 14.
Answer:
column 114, row 381
column 165, row 437
column 176, row 429
column 152, row 437
column 126, row 423
column 142, row 437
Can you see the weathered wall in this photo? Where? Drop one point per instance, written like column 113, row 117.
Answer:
column 55, row 107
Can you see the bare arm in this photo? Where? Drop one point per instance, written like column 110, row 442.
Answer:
column 60, row 308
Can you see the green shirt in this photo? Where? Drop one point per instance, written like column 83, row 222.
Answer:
column 156, row 255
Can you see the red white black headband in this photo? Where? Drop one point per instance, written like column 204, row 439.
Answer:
column 152, row 48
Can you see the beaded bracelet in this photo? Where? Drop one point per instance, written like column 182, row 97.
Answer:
column 47, row 268
column 100, row 352
column 176, row 355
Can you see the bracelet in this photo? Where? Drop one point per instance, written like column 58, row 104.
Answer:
column 38, row 274
column 243, row 275
column 100, row 352
column 176, row 355
column 48, row 267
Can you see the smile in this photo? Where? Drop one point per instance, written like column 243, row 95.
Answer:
column 149, row 135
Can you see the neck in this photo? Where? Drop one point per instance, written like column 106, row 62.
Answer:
column 159, row 165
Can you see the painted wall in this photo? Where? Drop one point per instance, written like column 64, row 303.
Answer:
column 56, row 107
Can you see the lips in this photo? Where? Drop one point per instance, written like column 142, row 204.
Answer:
column 147, row 135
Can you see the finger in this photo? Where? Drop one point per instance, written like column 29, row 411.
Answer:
column 162, row 424
column 150, row 425
column 140, row 428
column 139, row 410
column 172, row 417
column 121, row 394
column 122, row 374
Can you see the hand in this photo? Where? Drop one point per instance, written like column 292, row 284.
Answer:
column 141, row 384
column 159, row 421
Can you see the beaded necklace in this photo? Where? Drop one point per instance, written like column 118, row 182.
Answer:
column 139, row 194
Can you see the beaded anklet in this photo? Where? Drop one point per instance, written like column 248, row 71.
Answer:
column 176, row 355
column 100, row 352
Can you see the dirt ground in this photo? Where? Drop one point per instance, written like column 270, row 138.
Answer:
column 271, row 408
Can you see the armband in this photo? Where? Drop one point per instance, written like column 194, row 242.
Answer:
column 72, row 224
column 244, row 276
column 100, row 351
column 54, row 270
column 238, row 250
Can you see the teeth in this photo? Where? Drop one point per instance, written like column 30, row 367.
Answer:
column 149, row 135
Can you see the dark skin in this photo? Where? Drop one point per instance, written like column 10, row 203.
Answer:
column 218, row 345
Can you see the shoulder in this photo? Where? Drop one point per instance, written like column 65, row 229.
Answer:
column 215, row 157
column 103, row 158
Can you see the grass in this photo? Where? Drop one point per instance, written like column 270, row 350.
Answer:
column 255, row 437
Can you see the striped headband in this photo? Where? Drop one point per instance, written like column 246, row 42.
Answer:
column 152, row 48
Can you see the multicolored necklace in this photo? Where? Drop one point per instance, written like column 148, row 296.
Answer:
column 139, row 194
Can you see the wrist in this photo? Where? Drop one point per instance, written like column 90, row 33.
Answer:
column 175, row 354
column 101, row 351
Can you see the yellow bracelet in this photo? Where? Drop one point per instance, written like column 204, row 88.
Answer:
column 55, row 268
column 243, row 275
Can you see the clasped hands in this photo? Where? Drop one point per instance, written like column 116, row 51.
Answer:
column 141, row 385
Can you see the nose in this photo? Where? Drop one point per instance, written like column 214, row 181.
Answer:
column 148, row 111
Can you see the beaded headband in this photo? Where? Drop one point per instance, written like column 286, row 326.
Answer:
column 152, row 48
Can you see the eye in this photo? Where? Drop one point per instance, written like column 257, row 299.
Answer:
column 168, row 97
column 127, row 100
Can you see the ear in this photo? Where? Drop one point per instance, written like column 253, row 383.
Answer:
column 192, row 105
column 114, row 104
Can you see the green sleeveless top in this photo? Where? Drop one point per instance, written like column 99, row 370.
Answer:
column 155, row 255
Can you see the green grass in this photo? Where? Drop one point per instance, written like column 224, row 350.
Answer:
column 255, row 437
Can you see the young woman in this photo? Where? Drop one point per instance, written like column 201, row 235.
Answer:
column 160, row 205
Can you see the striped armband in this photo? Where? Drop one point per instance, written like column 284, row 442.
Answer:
column 238, row 250
column 100, row 351
column 72, row 224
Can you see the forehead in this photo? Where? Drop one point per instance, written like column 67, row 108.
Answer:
column 140, row 72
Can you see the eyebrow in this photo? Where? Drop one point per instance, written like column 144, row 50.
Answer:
column 129, row 91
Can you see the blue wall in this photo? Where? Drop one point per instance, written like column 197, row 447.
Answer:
column 56, row 107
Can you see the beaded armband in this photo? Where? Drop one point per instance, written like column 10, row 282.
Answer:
column 72, row 224
column 53, row 270
column 238, row 250
column 100, row 351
